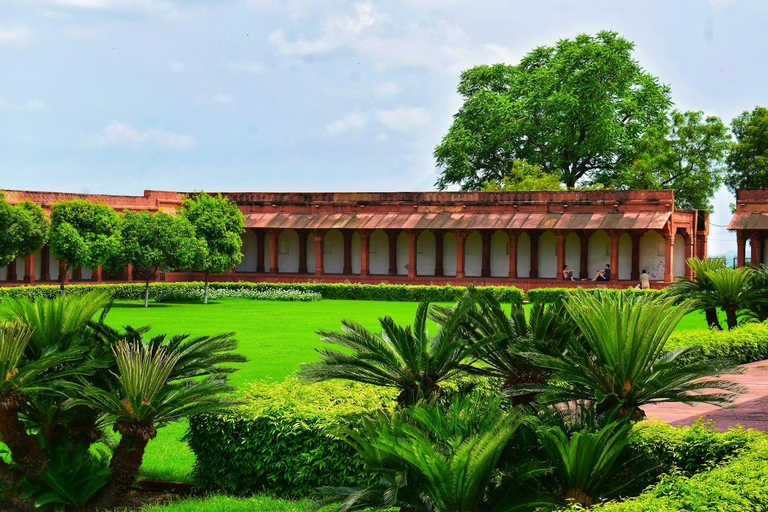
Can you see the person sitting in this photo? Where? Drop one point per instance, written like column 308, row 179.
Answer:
column 645, row 282
column 568, row 274
column 604, row 274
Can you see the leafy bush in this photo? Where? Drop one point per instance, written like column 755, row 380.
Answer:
column 554, row 295
column 738, row 485
column 283, row 438
column 340, row 291
column 745, row 344
column 168, row 294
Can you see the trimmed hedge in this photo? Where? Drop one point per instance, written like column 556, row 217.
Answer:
column 745, row 344
column 283, row 439
column 738, row 485
column 383, row 292
column 553, row 295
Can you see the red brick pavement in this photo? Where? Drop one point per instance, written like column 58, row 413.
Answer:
column 750, row 409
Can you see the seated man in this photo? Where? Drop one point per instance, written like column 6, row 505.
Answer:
column 604, row 274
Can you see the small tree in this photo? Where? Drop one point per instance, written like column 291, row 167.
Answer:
column 218, row 224
column 154, row 243
column 83, row 234
column 23, row 229
column 748, row 158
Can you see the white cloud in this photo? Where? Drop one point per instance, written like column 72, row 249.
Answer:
column 220, row 99
column 386, row 89
column 16, row 36
column 155, row 7
column 123, row 134
column 404, row 118
column 352, row 121
column 248, row 67
column 34, row 105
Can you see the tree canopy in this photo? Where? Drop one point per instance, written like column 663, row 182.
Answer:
column 155, row 242
column 218, row 225
column 748, row 158
column 686, row 155
column 524, row 176
column 23, row 229
column 83, row 234
column 576, row 109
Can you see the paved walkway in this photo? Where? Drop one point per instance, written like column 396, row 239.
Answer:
column 751, row 408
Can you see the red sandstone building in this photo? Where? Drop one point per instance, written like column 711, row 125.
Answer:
column 519, row 238
column 750, row 221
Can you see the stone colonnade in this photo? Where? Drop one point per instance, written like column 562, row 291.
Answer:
column 757, row 241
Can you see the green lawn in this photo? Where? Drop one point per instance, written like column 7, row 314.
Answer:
column 275, row 336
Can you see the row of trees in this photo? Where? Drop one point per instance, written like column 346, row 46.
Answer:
column 204, row 234
column 586, row 114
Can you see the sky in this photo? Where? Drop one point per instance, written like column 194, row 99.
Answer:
column 119, row 96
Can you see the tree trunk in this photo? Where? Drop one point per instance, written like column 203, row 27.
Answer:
column 712, row 321
column 23, row 447
column 205, row 293
column 10, row 477
column 146, row 294
column 62, row 278
column 125, row 465
column 730, row 317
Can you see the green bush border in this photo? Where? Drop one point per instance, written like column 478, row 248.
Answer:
column 553, row 295
column 342, row 291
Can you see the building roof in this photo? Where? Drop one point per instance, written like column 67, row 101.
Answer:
column 754, row 220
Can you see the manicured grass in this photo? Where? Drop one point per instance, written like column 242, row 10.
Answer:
column 230, row 504
column 275, row 336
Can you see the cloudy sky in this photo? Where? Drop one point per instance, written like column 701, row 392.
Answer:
column 118, row 96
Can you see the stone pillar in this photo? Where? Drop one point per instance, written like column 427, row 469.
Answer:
column 741, row 248
column 77, row 274
column 614, row 237
column 560, row 252
column 584, row 258
column 669, row 257
column 274, row 251
column 29, row 269
column 688, row 254
column 302, row 250
column 534, row 254
column 319, row 253
column 365, row 252
column 512, row 235
column 45, row 263
column 635, row 273
column 461, row 238
column 260, row 250
column 413, row 239
column 756, row 245
column 392, row 238
column 485, row 268
column 439, row 250
column 701, row 246
column 347, row 236
column 11, row 272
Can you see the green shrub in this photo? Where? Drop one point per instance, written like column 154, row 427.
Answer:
column 282, row 439
column 382, row 292
column 745, row 344
column 738, row 485
column 167, row 294
column 553, row 295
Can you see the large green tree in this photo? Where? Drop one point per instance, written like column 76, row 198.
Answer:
column 83, row 234
column 686, row 155
column 218, row 224
column 748, row 158
column 23, row 229
column 574, row 109
column 156, row 242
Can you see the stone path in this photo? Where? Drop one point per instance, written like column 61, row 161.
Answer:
column 751, row 408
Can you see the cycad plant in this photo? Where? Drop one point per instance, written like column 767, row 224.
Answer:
column 404, row 358
column 503, row 340
column 623, row 363
column 699, row 287
column 431, row 458
column 732, row 292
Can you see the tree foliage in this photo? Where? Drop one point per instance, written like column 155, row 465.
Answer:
column 574, row 109
column 23, row 229
column 524, row 176
column 748, row 158
column 83, row 234
column 686, row 155
column 218, row 224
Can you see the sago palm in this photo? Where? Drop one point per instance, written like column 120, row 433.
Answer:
column 148, row 400
column 732, row 292
column 698, row 288
column 503, row 339
column 432, row 459
column 623, row 363
column 404, row 358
